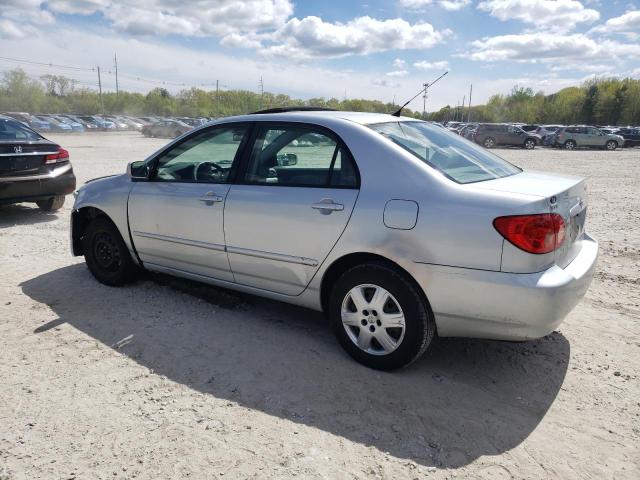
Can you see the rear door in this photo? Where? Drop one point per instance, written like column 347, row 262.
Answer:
column 290, row 207
column 594, row 137
column 176, row 218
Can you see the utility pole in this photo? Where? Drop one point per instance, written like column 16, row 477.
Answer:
column 424, row 101
column 115, row 61
column 464, row 97
column 217, row 99
column 261, row 93
column 100, row 90
column 469, row 114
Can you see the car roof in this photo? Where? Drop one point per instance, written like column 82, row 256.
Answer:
column 363, row 118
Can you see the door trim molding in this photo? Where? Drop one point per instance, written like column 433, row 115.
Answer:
column 181, row 241
column 273, row 256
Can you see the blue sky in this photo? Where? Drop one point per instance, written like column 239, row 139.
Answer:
column 366, row 49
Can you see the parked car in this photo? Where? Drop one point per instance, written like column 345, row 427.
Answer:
column 30, row 121
column 575, row 136
column 631, row 136
column 32, row 169
column 75, row 126
column 546, row 133
column 56, row 125
column 394, row 227
column 119, row 122
column 529, row 128
column 495, row 134
column 86, row 124
column 166, row 128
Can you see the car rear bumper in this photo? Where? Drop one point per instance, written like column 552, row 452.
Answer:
column 59, row 181
column 506, row 306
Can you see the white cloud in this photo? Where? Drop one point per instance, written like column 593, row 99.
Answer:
column 628, row 24
column 561, row 15
column 312, row 37
column 542, row 47
column 424, row 65
column 399, row 63
column 397, row 73
column 164, row 17
column 8, row 29
column 450, row 5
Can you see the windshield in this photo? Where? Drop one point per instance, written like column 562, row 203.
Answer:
column 458, row 159
column 11, row 130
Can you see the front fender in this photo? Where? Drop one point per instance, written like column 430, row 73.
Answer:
column 109, row 196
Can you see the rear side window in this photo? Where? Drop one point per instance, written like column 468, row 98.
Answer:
column 12, row 130
column 298, row 156
column 458, row 159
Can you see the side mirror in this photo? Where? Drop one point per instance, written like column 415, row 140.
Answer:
column 138, row 170
column 287, row 159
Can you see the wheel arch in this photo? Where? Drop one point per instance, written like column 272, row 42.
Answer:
column 80, row 219
column 350, row 260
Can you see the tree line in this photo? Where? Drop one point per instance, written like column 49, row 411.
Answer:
column 604, row 101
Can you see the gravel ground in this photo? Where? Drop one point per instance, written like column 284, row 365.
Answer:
column 168, row 379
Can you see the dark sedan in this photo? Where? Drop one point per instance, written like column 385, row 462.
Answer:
column 32, row 168
column 631, row 136
column 166, row 128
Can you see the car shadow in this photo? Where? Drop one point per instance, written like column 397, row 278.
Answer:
column 462, row 400
column 24, row 214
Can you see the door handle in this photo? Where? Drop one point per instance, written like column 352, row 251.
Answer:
column 327, row 205
column 210, row 198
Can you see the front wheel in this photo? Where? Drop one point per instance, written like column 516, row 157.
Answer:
column 106, row 254
column 529, row 144
column 611, row 145
column 489, row 142
column 51, row 204
column 380, row 317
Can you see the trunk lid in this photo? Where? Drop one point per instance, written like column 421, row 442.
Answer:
column 562, row 194
column 24, row 158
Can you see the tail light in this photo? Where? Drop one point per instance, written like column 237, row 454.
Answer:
column 60, row 156
column 537, row 233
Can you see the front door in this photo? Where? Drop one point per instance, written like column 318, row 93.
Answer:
column 176, row 218
column 291, row 206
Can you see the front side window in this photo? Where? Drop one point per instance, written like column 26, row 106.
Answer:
column 203, row 158
column 458, row 159
column 299, row 157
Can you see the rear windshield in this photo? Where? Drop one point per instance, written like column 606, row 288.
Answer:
column 460, row 160
column 11, row 130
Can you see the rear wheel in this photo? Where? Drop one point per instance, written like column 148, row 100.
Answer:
column 106, row 254
column 489, row 142
column 611, row 145
column 569, row 145
column 380, row 317
column 51, row 204
column 529, row 144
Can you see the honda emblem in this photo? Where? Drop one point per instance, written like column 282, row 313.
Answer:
column 17, row 149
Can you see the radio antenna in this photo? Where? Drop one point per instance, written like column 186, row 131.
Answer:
column 422, row 90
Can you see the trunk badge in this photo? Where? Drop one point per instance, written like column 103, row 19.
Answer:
column 17, row 149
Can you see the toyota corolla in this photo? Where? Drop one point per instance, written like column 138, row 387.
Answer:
column 397, row 229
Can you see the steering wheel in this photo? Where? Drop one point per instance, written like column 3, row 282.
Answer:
column 211, row 166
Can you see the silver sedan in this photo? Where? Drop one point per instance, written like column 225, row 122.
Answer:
column 396, row 228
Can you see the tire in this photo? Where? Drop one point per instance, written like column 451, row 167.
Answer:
column 403, row 343
column 611, row 145
column 106, row 254
column 489, row 142
column 569, row 145
column 529, row 144
column 51, row 204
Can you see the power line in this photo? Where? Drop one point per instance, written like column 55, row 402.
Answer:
column 30, row 62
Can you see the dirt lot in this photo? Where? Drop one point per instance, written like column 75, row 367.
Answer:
column 169, row 379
